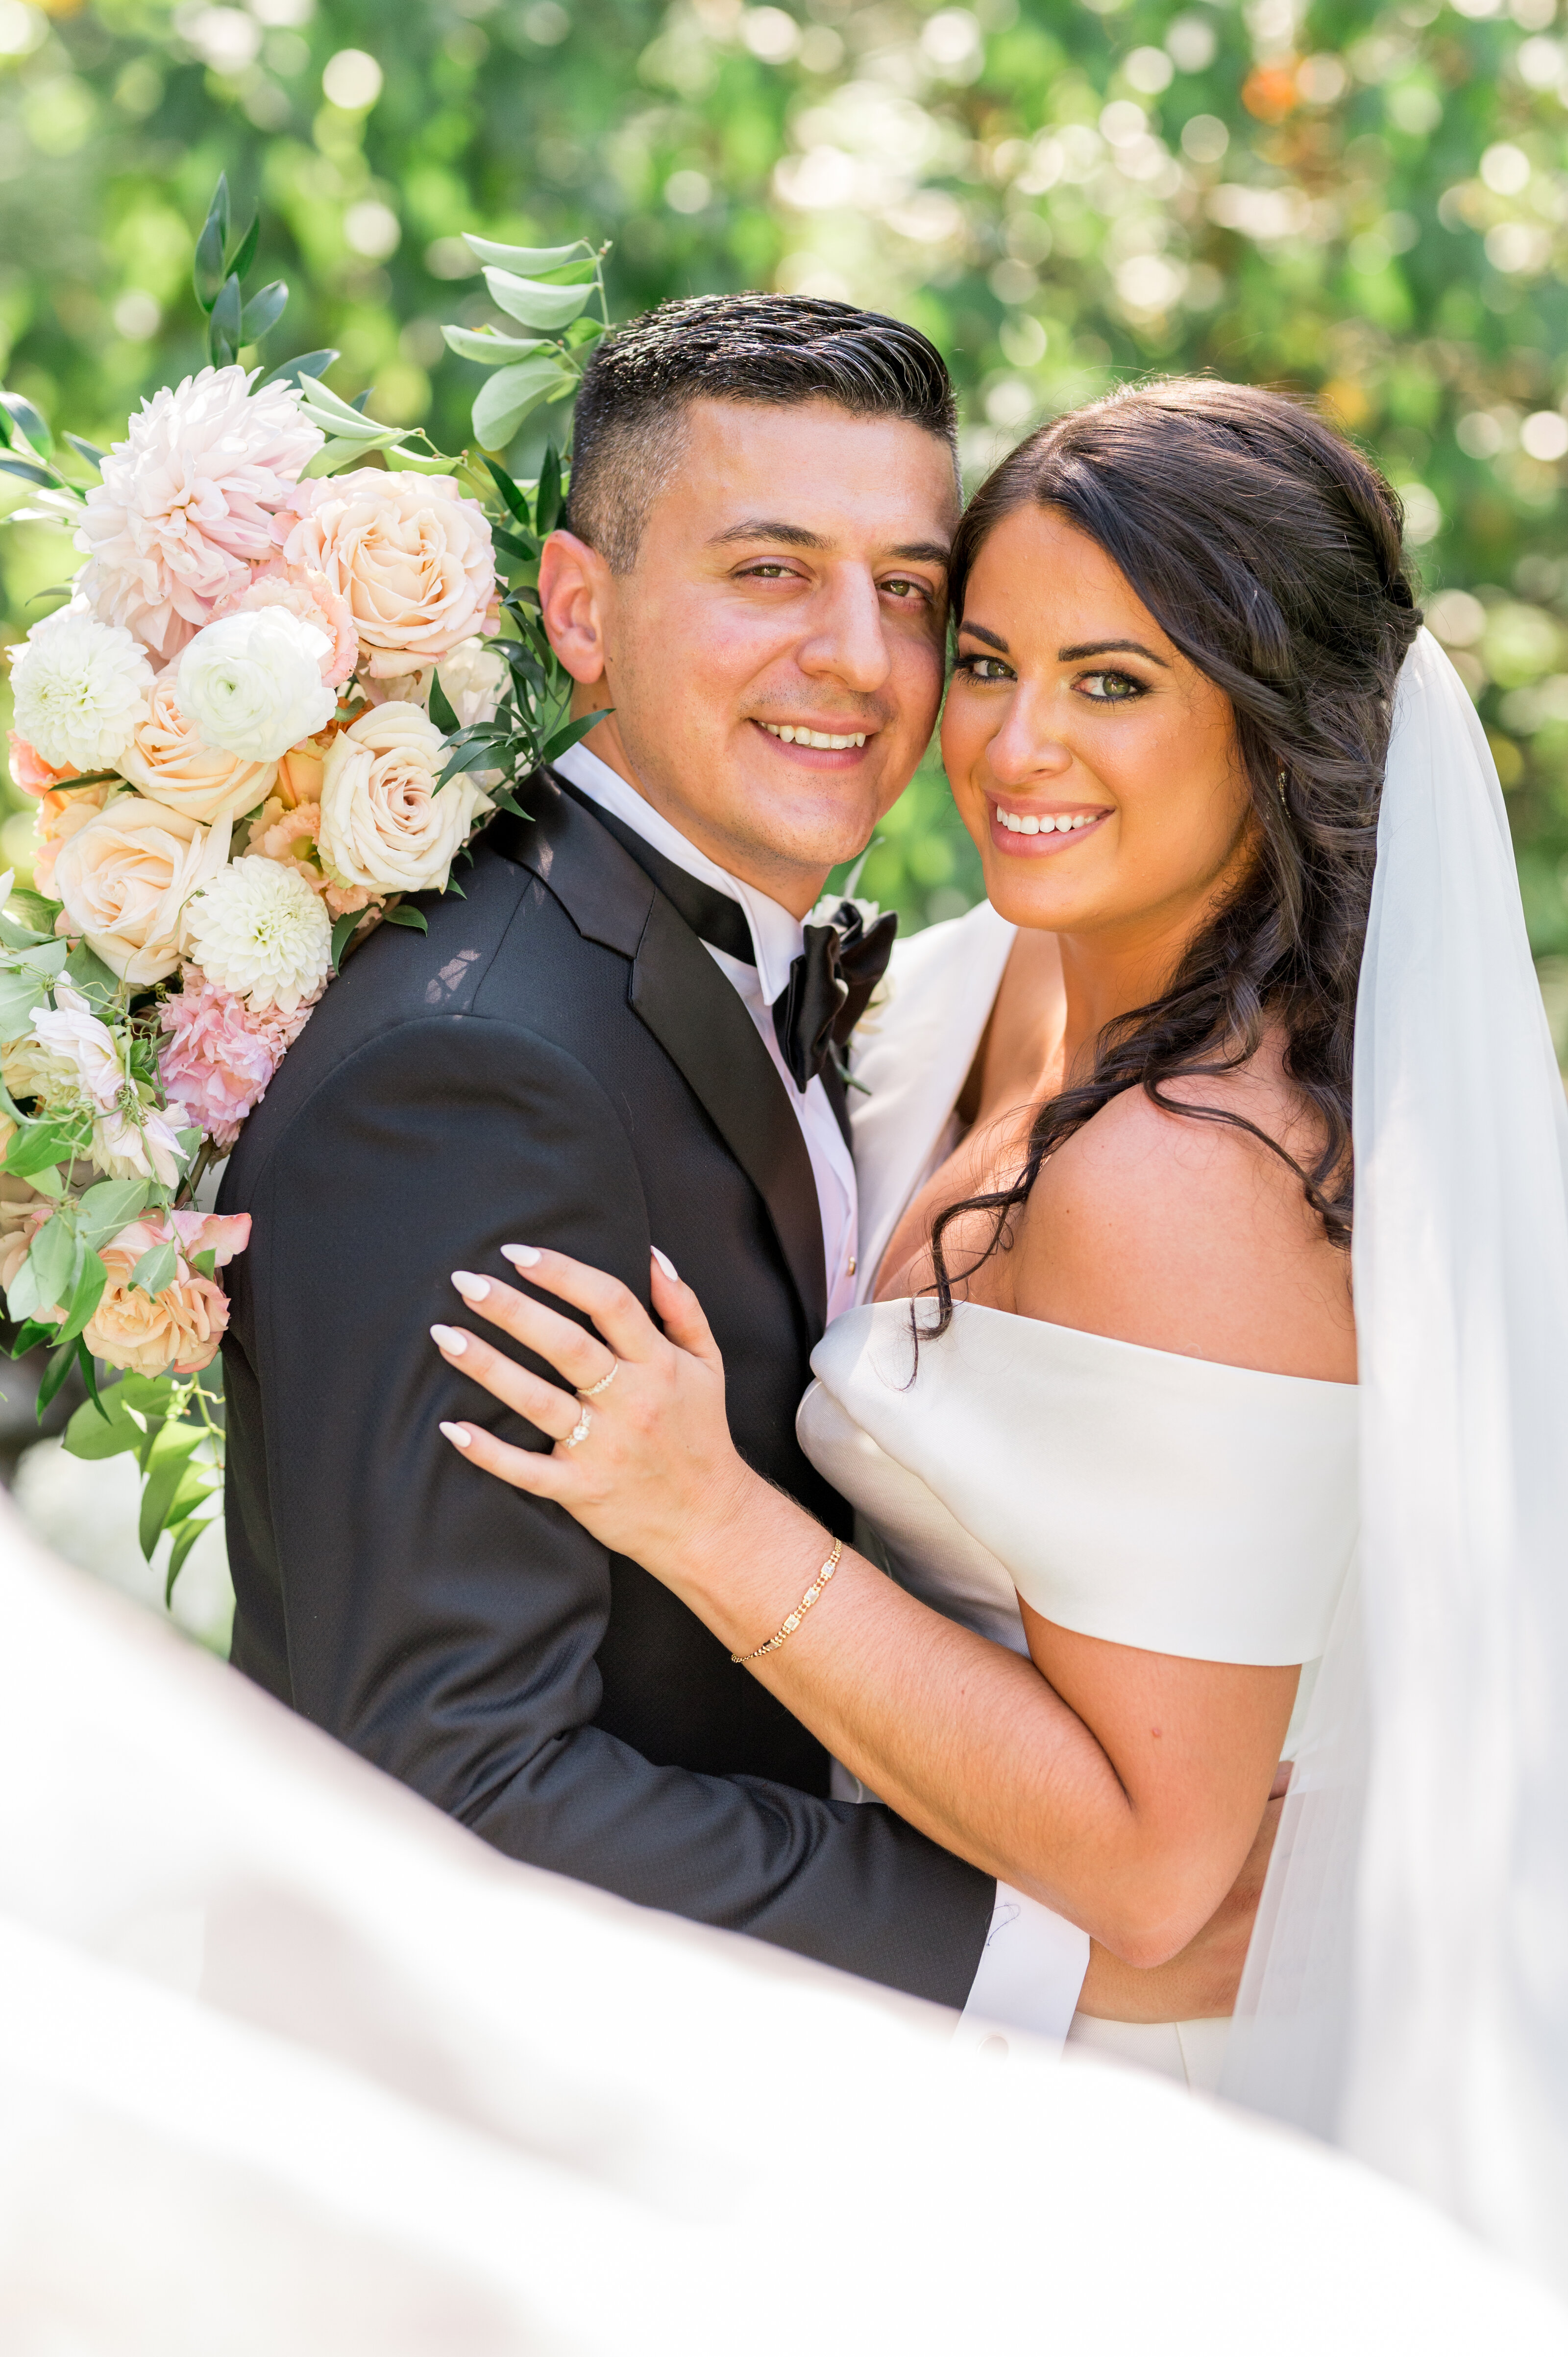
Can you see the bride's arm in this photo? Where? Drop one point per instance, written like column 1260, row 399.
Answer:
column 1121, row 1788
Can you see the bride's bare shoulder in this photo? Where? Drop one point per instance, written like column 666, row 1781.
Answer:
column 1190, row 1234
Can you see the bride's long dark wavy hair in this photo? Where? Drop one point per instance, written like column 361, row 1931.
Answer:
column 1270, row 552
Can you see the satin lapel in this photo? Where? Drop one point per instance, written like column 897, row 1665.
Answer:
column 701, row 1024
column 679, row 993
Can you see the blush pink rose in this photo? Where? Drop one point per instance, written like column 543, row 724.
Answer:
column 412, row 555
column 30, row 773
column 220, row 1056
column 181, row 1328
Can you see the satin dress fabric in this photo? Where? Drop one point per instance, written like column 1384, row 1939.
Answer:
column 1139, row 1496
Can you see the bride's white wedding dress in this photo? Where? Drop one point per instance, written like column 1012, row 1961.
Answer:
column 1166, row 1503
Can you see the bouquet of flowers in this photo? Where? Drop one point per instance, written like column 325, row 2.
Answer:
column 299, row 667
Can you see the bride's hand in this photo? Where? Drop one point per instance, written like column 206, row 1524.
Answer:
column 644, row 1461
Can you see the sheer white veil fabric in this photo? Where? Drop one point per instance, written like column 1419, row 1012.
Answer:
column 1407, row 1991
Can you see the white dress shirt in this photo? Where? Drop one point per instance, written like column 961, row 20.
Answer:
column 778, row 938
column 1033, row 1964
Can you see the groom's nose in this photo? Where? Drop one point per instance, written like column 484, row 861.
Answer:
column 845, row 637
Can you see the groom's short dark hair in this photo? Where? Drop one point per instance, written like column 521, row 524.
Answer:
column 770, row 349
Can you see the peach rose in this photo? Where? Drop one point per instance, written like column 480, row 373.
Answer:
column 180, row 1328
column 290, row 838
column 299, row 771
column 124, row 881
column 383, row 825
column 170, row 763
column 30, row 773
column 412, row 555
column 312, row 596
column 59, row 817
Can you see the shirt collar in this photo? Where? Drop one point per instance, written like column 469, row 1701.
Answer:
column 777, row 937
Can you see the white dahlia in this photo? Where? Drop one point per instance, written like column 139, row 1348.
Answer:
column 259, row 931
column 81, row 687
column 251, row 684
column 186, row 504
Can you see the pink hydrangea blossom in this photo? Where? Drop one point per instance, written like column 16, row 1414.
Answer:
column 220, row 1056
column 30, row 773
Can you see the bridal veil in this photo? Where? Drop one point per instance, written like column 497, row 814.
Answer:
column 1407, row 1991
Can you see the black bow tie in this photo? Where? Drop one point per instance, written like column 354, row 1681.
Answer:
column 829, row 983
column 829, row 990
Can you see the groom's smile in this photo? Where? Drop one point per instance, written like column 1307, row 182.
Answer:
column 773, row 651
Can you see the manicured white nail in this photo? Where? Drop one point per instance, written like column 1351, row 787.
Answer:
column 471, row 1287
column 457, row 1437
column 667, row 1265
column 450, row 1338
column 520, row 1256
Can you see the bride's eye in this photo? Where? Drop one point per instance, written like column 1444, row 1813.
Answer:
column 1110, row 687
column 987, row 668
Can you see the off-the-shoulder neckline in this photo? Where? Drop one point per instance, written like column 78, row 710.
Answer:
column 1109, row 1342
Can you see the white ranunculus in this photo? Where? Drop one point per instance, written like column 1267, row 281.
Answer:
column 259, row 931
column 251, row 684
column 80, row 688
column 383, row 825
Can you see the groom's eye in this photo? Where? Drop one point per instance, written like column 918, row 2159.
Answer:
column 907, row 590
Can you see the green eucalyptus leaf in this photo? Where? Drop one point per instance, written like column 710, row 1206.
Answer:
column 528, row 259
column 403, row 915
column 492, row 351
column 441, row 710
column 401, row 460
column 155, row 1269
column 110, row 1206
column 548, row 500
column 110, row 1430
column 241, row 260
column 40, row 1144
column 227, row 314
column 505, row 401
column 97, row 982
column 167, row 1465
column 308, row 364
column 88, row 450
column 510, row 492
column 209, row 273
column 534, row 304
column 573, row 731
column 86, row 1295
column 47, row 1275
column 262, row 311
column 35, row 909
column 29, row 471
column 31, row 421
column 342, row 931
column 55, row 1373
column 184, row 1538
column 340, row 452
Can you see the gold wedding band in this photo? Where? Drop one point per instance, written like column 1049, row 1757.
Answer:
column 603, row 1384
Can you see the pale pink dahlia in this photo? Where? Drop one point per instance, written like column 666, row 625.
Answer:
column 186, row 504
column 220, row 1056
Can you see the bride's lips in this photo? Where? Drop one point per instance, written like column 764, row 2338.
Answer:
column 850, row 741
column 1043, row 833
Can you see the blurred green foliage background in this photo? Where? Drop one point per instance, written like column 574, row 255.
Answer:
column 1370, row 205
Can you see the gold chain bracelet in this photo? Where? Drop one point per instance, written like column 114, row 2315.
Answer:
column 800, row 1610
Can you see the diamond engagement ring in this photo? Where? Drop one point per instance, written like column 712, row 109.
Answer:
column 580, row 1429
column 603, row 1384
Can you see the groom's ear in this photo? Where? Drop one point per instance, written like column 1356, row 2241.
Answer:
column 575, row 593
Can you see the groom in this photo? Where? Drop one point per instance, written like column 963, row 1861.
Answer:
column 621, row 1037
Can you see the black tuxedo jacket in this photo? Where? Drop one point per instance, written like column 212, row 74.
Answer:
column 558, row 1061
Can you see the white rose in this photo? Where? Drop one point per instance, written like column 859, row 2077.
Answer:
column 80, row 687
column 124, row 878
column 251, row 684
column 383, row 825
column 472, row 678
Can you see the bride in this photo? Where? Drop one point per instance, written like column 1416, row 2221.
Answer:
column 1100, row 1415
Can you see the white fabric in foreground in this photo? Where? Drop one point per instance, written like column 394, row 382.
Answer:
column 1408, row 1987
column 1135, row 1495
column 289, row 2062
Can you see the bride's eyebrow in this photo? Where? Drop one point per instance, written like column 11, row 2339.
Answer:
column 976, row 630
column 1111, row 646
